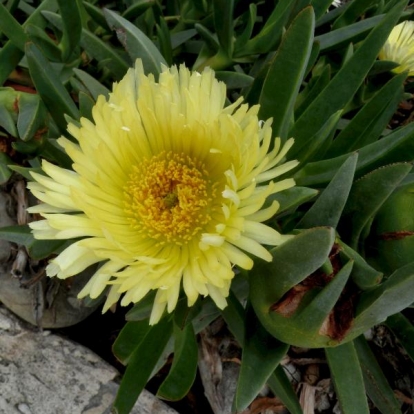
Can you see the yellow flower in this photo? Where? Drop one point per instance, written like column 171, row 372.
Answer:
column 167, row 192
column 399, row 47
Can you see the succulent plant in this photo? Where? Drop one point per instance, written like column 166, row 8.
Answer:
column 312, row 67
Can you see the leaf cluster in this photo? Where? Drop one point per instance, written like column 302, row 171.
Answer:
column 313, row 68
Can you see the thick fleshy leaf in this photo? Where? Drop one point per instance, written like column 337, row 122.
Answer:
column 395, row 147
column 316, row 145
column 234, row 80
column 345, row 35
column 136, row 43
column 184, row 367
column 7, row 120
column 42, row 249
column 96, row 48
column 281, row 386
column 327, row 209
column 403, row 329
column 141, row 364
column 10, row 55
column 72, row 26
column 268, row 38
column 270, row 281
column 371, row 120
column 86, row 103
column 137, row 8
column 11, row 28
column 313, row 88
column 281, row 86
column 96, row 14
column 321, row 7
column 41, row 39
column 366, row 197
column 95, row 88
column 31, row 121
column 363, row 275
column 234, row 316
column 50, row 88
column 164, row 41
column 184, row 314
column 17, row 234
column 223, row 23
column 353, row 12
column 347, row 378
column 261, row 355
column 347, row 81
column 293, row 197
column 318, row 308
column 391, row 297
column 131, row 335
column 376, row 384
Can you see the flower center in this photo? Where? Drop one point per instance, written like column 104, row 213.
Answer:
column 168, row 197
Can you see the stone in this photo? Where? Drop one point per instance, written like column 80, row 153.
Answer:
column 43, row 373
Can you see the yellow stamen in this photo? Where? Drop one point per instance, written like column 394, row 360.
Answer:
column 168, row 197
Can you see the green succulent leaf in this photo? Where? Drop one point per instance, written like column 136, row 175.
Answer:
column 141, row 363
column 234, row 80
column 347, row 378
column 130, row 337
column 347, row 81
column 31, row 120
column 19, row 234
column 371, row 120
column 353, row 12
column 86, row 103
column 363, row 275
column 164, row 41
column 292, row 198
column 12, row 29
column 316, row 144
column 72, row 26
column 42, row 249
column 376, row 384
column 184, row 367
column 10, row 55
column 261, row 355
column 223, row 23
column 391, row 297
column 281, row 87
column 40, row 38
column 321, row 7
column 96, row 14
column 281, row 386
column 7, row 121
column 136, row 43
column 318, row 308
column 137, row 9
column 312, row 90
column 366, row 197
column 234, row 316
column 270, row 281
column 403, row 329
column 142, row 309
column 343, row 36
column 268, row 38
column 50, row 88
column 95, row 88
column 95, row 47
column 327, row 209
column 395, row 147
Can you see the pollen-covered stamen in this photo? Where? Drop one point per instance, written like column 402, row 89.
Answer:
column 168, row 197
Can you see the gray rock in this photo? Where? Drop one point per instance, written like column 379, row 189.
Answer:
column 43, row 373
